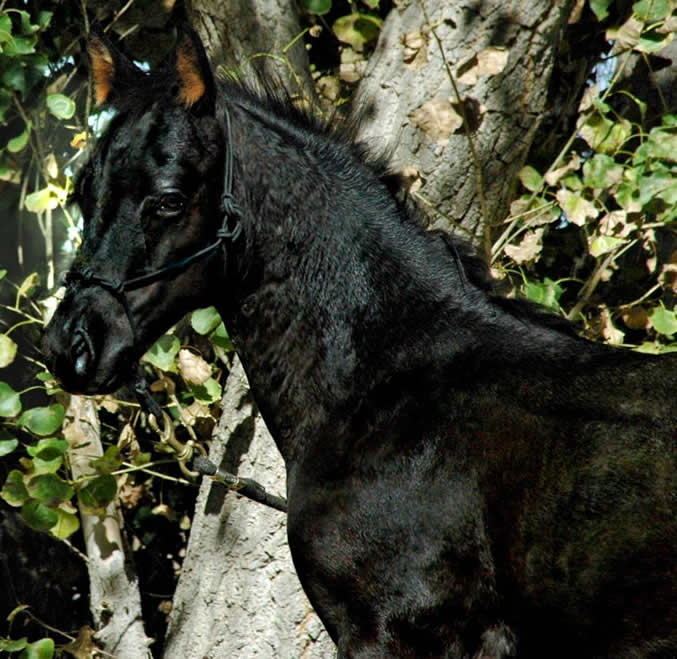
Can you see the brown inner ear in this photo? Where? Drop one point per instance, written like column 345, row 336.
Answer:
column 192, row 85
column 103, row 70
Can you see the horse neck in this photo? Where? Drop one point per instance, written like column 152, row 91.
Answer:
column 336, row 291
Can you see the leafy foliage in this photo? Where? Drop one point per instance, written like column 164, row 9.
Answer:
column 614, row 183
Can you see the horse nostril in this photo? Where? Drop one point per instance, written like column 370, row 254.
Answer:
column 82, row 352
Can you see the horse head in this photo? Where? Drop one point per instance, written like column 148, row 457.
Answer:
column 147, row 195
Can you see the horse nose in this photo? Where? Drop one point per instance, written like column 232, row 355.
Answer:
column 82, row 352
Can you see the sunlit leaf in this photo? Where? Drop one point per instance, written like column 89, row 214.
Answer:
column 221, row 339
column 7, row 446
column 600, row 8
column 652, row 11
column 41, row 649
column 43, row 420
column 547, row 292
column 20, row 45
column 602, row 171
column 162, row 353
column 603, row 244
column 13, row 645
column 5, row 28
column 7, row 350
column 67, row 524
column 40, row 200
column 357, row 29
column 44, row 19
column 14, row 490
column 664, row 321
column 204, row 321
column 10, row 402
column 48, row 449
column 208, row 392
column 530, row 178
column 577, row 208
column 61, row 106
column 19, row 142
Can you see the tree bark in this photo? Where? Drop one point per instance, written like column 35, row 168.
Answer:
column 238, row 595
column 114, row 598
column 501, row 57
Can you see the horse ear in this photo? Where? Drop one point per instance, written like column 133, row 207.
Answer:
column 194, row 75
column 112, row 71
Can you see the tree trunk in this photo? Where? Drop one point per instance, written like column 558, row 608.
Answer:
column 500, row 56
column 238, row 595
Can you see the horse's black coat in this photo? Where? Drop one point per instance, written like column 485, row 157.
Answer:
column 466, row 477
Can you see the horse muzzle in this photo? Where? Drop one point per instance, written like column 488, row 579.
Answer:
column 86, row 347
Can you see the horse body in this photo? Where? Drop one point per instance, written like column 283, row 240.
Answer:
column 465, row 477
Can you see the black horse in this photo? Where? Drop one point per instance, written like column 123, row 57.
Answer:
column 465, row 476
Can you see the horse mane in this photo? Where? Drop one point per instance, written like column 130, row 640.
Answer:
column 273, row 102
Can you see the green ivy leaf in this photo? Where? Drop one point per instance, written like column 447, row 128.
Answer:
column 98, row 493
column 547, row 292
column 7, row 446
column 27, row 27
column 319, row 7
column 530, row 178
column 5, row 28
column 67, row 524
column 221, row 339
column 7, row 350
column 162, row 353
column 61, row 106
column 42, row 649
column 10, row 402
column 109, row 461
column 20, row 45
column 208, row 392
column 577, row 208
column 43, row 420
column 44, row 19
column 604, row 244
column 664, row 321
column 14, row 490
column 602, row 171
column 206, row 320
column 652, row 11
column 605, row 135
column 357, row 29
column 14, row 77
column 600, row 8
column 49, row 489
column 48, row 449
column 38, row 516
column 19, row 142
column 11, row 645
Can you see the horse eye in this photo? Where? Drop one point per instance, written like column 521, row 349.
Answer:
column 170, row 204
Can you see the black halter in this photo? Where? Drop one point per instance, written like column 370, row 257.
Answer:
column 119, row 287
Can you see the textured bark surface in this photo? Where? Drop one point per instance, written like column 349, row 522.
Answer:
column 114, row 598
column 501, row 56
column 254, row 31
column 238, row 595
